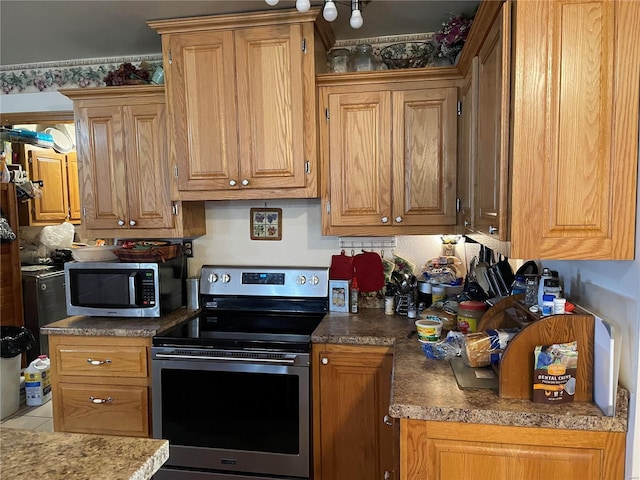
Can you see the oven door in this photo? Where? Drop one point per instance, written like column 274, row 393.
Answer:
column 233, row 411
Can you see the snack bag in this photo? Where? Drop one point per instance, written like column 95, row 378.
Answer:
column 554, row 379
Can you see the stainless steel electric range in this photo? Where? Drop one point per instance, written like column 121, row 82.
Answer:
column 231, row 388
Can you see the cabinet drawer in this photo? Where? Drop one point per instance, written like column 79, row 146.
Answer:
column 102, row 409
column 108, row 361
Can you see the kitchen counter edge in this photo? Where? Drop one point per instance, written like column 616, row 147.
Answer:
column 424, row 389
column 31, row 454
column 118, row 326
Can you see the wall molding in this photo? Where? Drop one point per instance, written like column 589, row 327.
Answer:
column 51, row 76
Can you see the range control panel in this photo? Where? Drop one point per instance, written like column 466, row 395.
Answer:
column 264, row 281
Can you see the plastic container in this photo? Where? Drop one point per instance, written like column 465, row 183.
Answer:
column 37, row 381
column 15, row 340
column 469, row 313
column 424, row 293
column 429, row 329
column 547, row 304
column 438, row 293
column 559, row 305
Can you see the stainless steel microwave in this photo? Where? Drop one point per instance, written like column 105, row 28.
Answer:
column 126, row 289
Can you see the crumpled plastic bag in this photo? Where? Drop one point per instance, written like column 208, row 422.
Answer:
column 57, row 236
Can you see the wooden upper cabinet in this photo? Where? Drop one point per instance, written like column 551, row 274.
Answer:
column 575, row 129
column 58, row 173
column 242, row 102
column 125, row 180
column 73, row 184
column 389, row 156
column 202, row 102
column 491, row 172
column 467, row 142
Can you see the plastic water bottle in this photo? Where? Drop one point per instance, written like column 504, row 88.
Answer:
column 519, row 285
column 37, row 381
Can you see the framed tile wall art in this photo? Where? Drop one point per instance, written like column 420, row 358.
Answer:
column 266, row 223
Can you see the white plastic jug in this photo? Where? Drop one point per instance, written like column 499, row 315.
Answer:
column 37, row 381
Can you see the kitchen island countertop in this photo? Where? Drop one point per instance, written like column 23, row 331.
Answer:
column 118, row 326
column 424, row 389
column 74, row 456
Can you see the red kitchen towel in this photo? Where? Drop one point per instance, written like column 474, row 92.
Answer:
column 341, row 267
column 369, row 271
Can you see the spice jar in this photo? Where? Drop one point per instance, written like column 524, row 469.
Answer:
column 362, row 59
column 339, row 60
column 469, row 314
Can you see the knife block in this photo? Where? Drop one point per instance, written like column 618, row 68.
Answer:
column 515, row 371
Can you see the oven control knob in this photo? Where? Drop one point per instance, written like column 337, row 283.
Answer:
column 226, row 278
column 301, row 280
column 315, row 280
column 212, row 278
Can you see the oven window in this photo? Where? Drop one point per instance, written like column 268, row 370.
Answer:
column 231, row 410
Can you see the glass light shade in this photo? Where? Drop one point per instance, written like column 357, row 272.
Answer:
column 303, row 5
column 330, row 12
column 272, row 2
column 356, row 19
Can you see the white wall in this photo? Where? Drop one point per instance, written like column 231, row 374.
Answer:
column 228, row 239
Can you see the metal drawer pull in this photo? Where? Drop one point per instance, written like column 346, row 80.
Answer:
column 97, row 362
column 387, row 420
column 101, row 400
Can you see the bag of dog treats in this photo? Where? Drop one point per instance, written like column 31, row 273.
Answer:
column 554, row 379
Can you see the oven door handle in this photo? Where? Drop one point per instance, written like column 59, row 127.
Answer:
column 278, row 361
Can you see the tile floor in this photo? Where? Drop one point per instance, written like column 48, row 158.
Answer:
column 38, row 418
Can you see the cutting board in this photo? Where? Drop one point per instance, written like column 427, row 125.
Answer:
column 604, row 367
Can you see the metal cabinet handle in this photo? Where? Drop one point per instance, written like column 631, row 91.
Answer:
column 387, row 475
column 121, row 222
column 245, row 182
column 233, row 183
column 132, row 222
column 387, row 420
column 398, row 219
column 325, row 361
column 384, row 219
column 98, row 362
column 100, row 400
column 466, row 223
column 492, row 229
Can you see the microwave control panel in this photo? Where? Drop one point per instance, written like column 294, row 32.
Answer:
column 148, row 290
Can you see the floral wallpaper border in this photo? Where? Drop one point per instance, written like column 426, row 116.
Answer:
column 51, row 76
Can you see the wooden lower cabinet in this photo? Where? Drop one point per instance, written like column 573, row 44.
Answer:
column 353, row 435
column 453, row 451
column 101, row 385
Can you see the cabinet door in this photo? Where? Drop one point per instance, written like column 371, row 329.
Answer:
column 51, row 168
column 271, row 119
column 74, row 187
column 467, row 138
column 575, row 142
column 360, row 156
column 492, row 168
column 202, row 102
column 147, row 177
column 424, row 156
column 102, row 166
column 355, row 389
column 453, row 451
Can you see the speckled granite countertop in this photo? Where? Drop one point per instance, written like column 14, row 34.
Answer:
column 118, row 326
column 26, row 454
column 424, row 389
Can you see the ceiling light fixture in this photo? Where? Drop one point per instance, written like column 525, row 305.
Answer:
column 329, row 10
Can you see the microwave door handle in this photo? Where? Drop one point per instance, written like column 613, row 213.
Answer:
column 132, row 289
